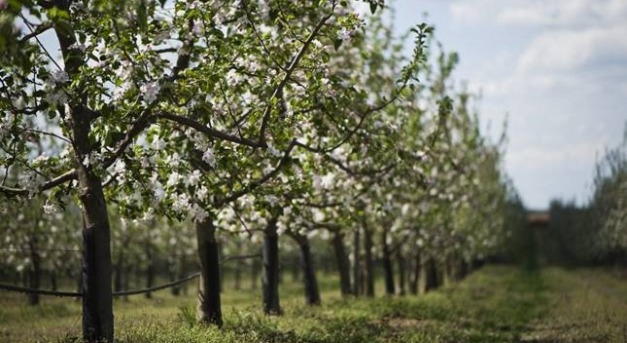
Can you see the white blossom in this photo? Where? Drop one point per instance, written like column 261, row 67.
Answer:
column 316, row 43
column 119, row 167
column 194, row 178
column 198, row 213
column 125, row 70
column 273, row 151
column 202, row 193
column 209, row 157
column 327, row 180
column 144, row 161
column 344, row 34
column 174, row 160
column 58, row 76
column 195, row 5
column 77, row 46
column 149, row 215
column 272, row 200
column 56, row 97
column 198, row 27
column 318, row 216
column 158, row 191
column 173, row 179
column 88, row 160
column 150, row 91
column 317, row 182
column 49, row 208
column 181, row 204
column 19, row 103
column 40, row 159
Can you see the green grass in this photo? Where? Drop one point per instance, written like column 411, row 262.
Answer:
column 495, row 304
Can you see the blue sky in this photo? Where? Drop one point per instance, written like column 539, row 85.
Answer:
column 557, row 69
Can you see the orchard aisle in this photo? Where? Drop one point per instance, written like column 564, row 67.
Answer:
column 494, row 304
column 584, row 305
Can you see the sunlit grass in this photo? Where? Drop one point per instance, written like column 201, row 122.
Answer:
column 495, row 304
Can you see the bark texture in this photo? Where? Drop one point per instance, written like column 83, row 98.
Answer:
column 209, row 302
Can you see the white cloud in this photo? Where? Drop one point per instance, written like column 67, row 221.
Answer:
column 572, row 13
column 565, row 50
column 558, row 68
column 544, row 157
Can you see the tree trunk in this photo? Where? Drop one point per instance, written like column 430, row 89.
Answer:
column 387, row 265
column 357, row 276
column 183, row 272
column 34, row 272
column 97, row 292
column 220, row 268
column 270, row 278
column 173, row 275
column 415, row 277
column 312, row 292
column 431, row 275
column 402, row 268
column 54, row 285
column 463, row 268
column 237, row 272
column 150, row 269
column 254, row 274
column 97, row 296
column 369, row 262
column 209, row 306
column 117, row 275
column 343, row 264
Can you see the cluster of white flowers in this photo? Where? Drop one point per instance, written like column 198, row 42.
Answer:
column 344, row 34
column 4, row 129
column 39, row 160
column 209, row 157
column 318, row 215
column 91, row 160
column 274, row 151
column 58, row 77
column 56, row 97
column 76, row 7
column 198, row 27
column 146, row 161
column 173, row 179
column 149, row 215
column 150, row 90
column 272, row 200
column 198, row 213
column 181, row 204
column 78, row 47
column 173, row 160
column 156, row 188
column 49, row 207
column 202, row 193
column 194, row 178
column 324, row 182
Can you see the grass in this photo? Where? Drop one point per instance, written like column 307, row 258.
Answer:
column 495, row 304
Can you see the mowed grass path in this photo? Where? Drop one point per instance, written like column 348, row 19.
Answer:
column 495, row 304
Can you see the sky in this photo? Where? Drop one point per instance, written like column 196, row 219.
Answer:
column 556, row 69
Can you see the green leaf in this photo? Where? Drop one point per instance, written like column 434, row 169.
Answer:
column 337, row 43
column 142, row 16
column 373, row 7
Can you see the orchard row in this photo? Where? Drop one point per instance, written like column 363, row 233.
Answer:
column 251, row 120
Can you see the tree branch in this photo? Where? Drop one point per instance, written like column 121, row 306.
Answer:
column 213, row 133
column 288, row 72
